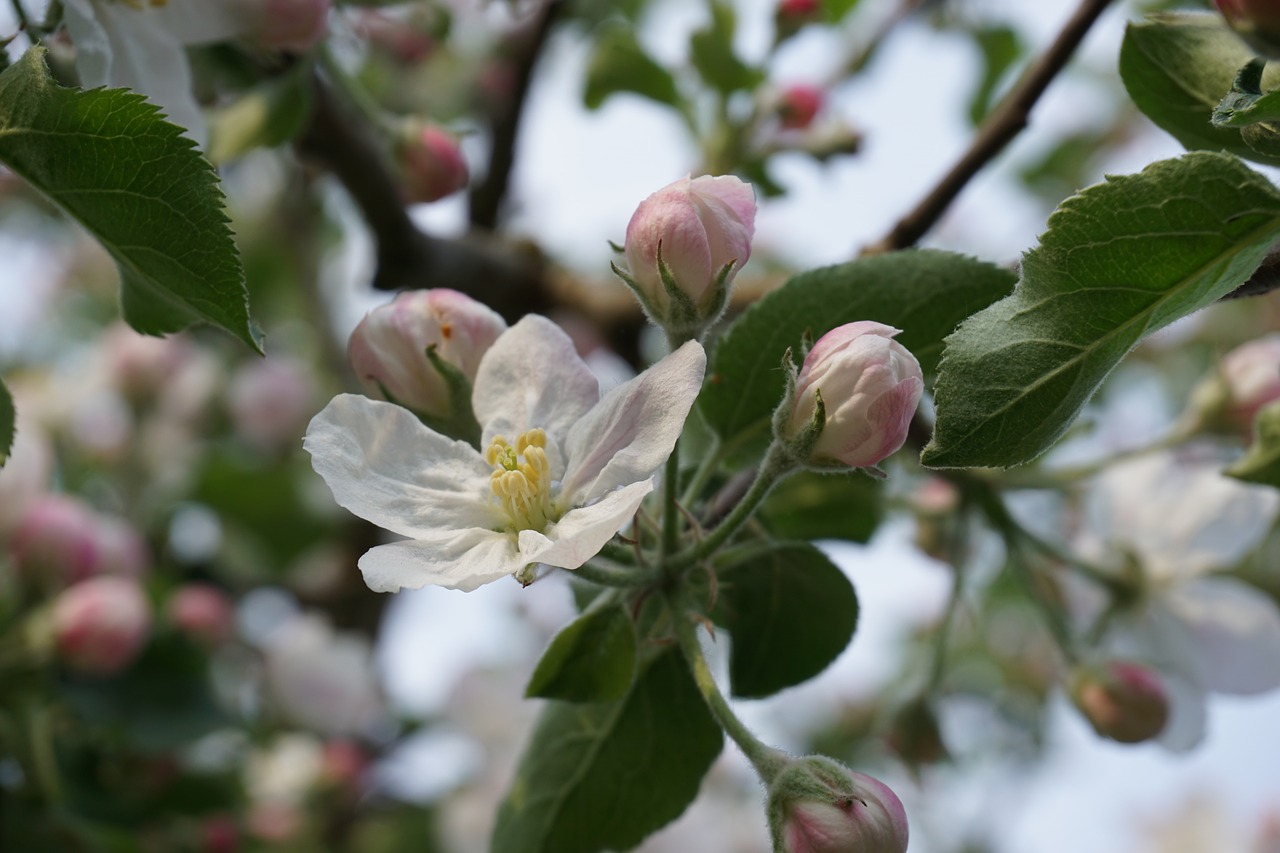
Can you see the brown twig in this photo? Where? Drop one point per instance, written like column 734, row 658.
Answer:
column 1004, row 123
column 487, row 196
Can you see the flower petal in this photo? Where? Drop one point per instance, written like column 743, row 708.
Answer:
column 582, row 532
column 386, row 467
column 532, row 377
column 631, row 432
column 465, row 561
column 1234, row 631
column 1188, row 712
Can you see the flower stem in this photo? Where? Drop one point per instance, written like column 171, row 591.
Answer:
column 765, row 759
column 710, row 461
column 355, row 92
column 607, row 574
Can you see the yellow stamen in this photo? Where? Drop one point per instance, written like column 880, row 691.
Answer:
column 521, row 479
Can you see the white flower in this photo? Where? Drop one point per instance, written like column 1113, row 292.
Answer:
column 563, row 469
column 323, row 679
column 1182, row 520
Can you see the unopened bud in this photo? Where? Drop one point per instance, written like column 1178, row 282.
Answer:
column 869, row 385
column 1123, row 701
column 292, row 25
column 202, row 612
column 1255, row 21
column 431, row 162
column 790, row 15
column 389, row 349
column 797, row 105
column 1251, row 372
column 817, row 805
column 271, row 400
column 60, row 539
column 100, row 625
column 685, row 244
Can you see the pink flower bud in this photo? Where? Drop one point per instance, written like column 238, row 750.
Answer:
column 870, row 385
column 797, row 8
column 431, row 162
column 389, row 348
column 701, row 228
column 271, row 401
column 100, row 625
column 55, row 540
column 1251, row 372
column 797, row 105
column 1123, row 701
column 1255, row 21
column 817, row 805
column 219, row 834
column 121, row 548
column 203, row 612
column 292, row 25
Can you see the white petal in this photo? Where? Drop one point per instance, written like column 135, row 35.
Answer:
column 532, row 377
column 93, row 46
column 631, row 432
column 386, row 467
column 1187, row 714
column 468, row 560
column 206, row 21
column 1234, row 631
column 581, row 533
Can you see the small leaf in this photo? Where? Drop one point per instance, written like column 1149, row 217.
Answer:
column 1262, row 463
column 711, row 51
column 825, row 506
column 110, row 160
column 604, row 775
column 1177, row 68
column 271, row 113
column 1001, row 48
column 619, row 64
column 8, row 423
column 790, row 612
column 923, row 292
column 1119, row 261
column 593, row 659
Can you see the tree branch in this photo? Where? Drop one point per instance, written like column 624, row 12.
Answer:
column 1004, row 123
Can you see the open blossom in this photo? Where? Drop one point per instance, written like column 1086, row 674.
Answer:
column 1181, row 520
column 562, row 469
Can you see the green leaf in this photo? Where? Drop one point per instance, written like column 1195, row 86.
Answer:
column 1119, row 261
column 1178, row 67
column 711, row 51
column 1262, row 463
column 834, row 11
column 1000, row 48
column 619, row 64
column 923, row 292
column 593, row 659
column 110, row 160
column 8, row 423
column 604, row 775
column 272, row 113
column 810, row 505
column 789, row 611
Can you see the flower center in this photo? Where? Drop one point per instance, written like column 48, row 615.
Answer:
column 521, row 479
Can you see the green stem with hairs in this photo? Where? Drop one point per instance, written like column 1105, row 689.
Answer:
column 608, row 574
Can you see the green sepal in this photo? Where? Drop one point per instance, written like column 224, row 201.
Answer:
column 1261, row 464
column 1245, row 104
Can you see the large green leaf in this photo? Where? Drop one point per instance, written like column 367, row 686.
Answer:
column 810, row 505
column 789, row 611
column 602, row 776
column 1178, row 67
column 8, row 419
column 923, row 292
column 110, row 160
column 1262, row 463
column 1119, row 261
column 592, row 659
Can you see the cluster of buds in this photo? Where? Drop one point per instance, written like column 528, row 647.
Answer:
column 60, row 540
column 1123, row 701
column 422, row 351
column 1255, row 21
column 431, row 162
column 684, row 246
column 853, row 400
column 817, row 805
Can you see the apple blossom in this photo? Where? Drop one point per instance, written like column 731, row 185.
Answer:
column 59, row 539
column 321, row 678
column 100, row 625
column 817, row 805
column 1251, row 373
column 1122, row 700
column 270, row 400
column 869, row 385
column 431, row 161
column 391, row 348
column 685, row 243
column 292, row 25
column 563, row 469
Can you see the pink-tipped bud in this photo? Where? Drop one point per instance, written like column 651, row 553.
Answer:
column 202, row 612
column 700, row 230
column 1123, row 701
column 797, row 105
column 817, row 805
column 431, row 162
column 271, row 400
column 870, row 385
column 789, row 16
column 1251, row 372
column 389, row 348
column 59, row 540
column 1255, row 21
column 101, row 624
column 797, row 8
column 292, row 25
column 219, row 834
